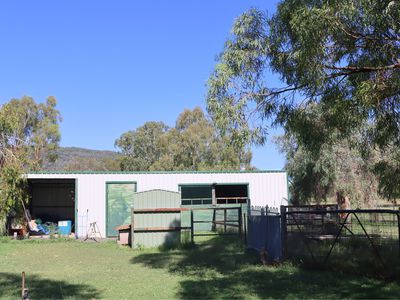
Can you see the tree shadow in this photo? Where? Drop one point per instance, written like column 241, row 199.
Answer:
column 222, row 268
column 41, row 288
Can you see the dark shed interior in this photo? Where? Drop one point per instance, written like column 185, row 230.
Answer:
column 231, row 193
column 52, row 200
column 224, row 194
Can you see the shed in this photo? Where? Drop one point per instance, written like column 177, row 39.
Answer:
column 156, row 218
column 106, row 197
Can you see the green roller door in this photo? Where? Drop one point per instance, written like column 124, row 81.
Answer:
column 119, row 201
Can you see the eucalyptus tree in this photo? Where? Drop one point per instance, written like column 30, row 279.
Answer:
column 29, row 132
column 192, row 144
column 140, row 148
column 342, row 55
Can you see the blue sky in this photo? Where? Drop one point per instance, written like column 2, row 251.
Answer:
column 113, row 65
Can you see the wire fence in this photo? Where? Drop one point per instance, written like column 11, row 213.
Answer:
column 361, row 241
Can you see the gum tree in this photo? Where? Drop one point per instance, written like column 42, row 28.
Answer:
column 343, row 56
column 29, row 132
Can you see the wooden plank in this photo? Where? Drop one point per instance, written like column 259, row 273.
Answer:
column 159, row 229
column 159, row 210
column 230, row 198
column 214, row 234
column 123, row 227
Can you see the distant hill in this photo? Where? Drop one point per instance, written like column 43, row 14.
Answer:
column 69, row 155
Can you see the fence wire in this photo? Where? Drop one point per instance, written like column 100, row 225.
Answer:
column 362, row 241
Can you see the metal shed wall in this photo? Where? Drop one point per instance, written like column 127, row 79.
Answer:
column 156, row 199
column 265, row 187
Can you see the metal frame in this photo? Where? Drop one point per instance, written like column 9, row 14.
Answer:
column 76, row 209
column 285, row 214
column 225, row 223
column 247, row 184
column 75, row 200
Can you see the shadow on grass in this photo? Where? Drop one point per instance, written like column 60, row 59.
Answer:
column 40, row 288
column 221, row 268
column 353, row 255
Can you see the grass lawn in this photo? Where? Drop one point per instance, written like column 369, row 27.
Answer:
column 212, row 269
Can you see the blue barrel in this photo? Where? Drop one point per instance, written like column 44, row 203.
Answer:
column 64, row 227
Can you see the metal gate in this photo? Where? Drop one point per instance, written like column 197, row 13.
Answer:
column 223, row 221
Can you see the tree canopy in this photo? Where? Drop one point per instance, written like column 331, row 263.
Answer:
column 193, row 144
column 336, row 168
column 29, row 132
column 342, row 55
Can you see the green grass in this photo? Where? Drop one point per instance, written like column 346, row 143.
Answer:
column 216, row 268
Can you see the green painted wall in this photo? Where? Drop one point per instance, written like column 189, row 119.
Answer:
column 155, row 199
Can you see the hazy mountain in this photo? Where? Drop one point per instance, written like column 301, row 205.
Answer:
column 67, row 156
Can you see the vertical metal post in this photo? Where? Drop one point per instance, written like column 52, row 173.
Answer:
column 132, row 237
column 191, row 226
column 214, row 219
column 213, row 195
column 398, row 229
column 245, row 228
column 240, row 220
column 284, row 231
column 224, row 220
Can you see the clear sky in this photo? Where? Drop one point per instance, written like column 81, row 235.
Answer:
column 113, row 65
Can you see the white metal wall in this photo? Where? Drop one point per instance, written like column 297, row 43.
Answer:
column 265, row 188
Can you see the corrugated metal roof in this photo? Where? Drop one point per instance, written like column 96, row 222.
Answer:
column 156, row 172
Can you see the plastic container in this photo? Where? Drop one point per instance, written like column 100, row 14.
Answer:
column 64, row 227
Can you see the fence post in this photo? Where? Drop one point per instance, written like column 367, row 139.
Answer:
column 245, row 228
column 225, row 220
column 240, row 220
column 191, row 226
column 284, row 231
column 132, row 237
column 398, row 229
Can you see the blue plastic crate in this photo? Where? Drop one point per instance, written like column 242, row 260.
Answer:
column 64, row 227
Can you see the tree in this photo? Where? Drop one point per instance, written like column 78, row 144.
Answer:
column 28, row 132
column 342, row 55
column 193, row 144
column 141, row 147
column 338, row 168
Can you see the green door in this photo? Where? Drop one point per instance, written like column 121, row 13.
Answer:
column 119, row 201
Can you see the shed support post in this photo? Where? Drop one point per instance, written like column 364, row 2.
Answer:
column 213, row 195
